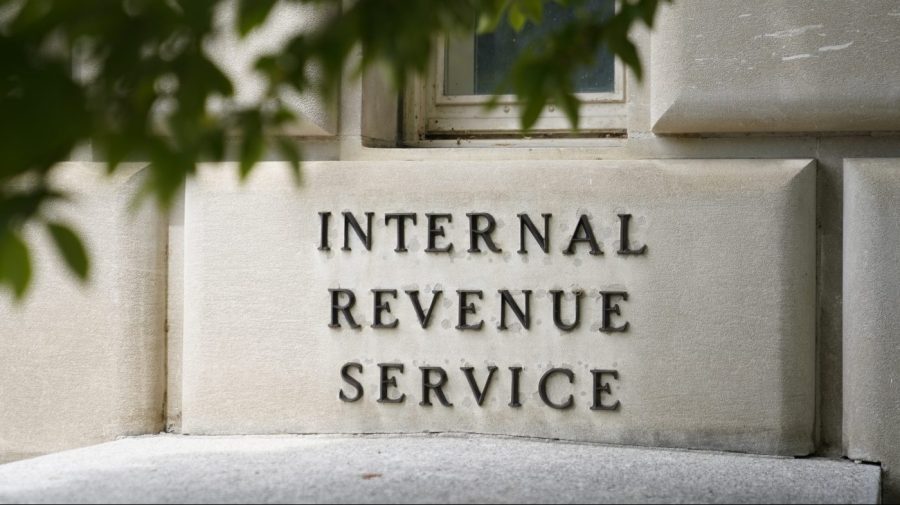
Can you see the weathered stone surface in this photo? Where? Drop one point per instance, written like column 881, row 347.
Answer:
column 421, row 469
column 871, row 317
column 719, row 353
column 830, row 151
column 81, row 366
column 776, row 66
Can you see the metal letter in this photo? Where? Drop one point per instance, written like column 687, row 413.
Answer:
column 468, row 309
column 506, row 299
column 424, row 317
column 485, row 234
column 337, row 308
column 600, row 388
column 557, row 310
column 435, row 231
column 624, row 244
column 389, row 382
column 351, row 222
column 543, row 240
column 345, row 374
column 608, row 309
column 323, row 242
column 542, row 388
column 381, row 307
column 584, row 233
column 480, row 394
column 428, row 386
column 401, row 228
column 514, row 393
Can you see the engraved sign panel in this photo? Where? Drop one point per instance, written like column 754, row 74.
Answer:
column 666, row 303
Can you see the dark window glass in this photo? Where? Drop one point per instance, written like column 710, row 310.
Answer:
column 494, row 54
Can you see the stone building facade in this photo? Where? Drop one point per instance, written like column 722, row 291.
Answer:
column 758, row 162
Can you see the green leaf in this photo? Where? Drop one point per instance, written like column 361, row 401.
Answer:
column 252, row 145
column 15, row 263
column 216, row 144
column 291, row 153
column 648, row 10
column 533, row 9
column 626, row 50
column 533, row 107
column 570, row 105
column 516, row 17
column 251, row 152
column 488, row 22
column 491, row 15
column 71, row 248
column 252, row 13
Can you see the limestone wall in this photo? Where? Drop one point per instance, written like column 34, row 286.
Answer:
column 726, row 80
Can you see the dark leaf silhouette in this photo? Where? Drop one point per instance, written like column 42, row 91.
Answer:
column 134, row 81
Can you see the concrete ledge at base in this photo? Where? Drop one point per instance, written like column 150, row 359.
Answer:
column 421, row 468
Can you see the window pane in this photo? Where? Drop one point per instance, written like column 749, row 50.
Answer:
column 476, row 65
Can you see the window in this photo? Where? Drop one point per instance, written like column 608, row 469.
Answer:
column 467, row 69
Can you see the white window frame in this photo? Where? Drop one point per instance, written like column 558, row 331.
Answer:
column 432, row 118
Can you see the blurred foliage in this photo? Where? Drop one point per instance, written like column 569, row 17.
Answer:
column 132, row 79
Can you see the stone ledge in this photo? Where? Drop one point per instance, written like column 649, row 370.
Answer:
column 421, row 468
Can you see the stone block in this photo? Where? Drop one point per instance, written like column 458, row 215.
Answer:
column 81, row 365
column 776, row 66
column 871, row 317
column 719, row 351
